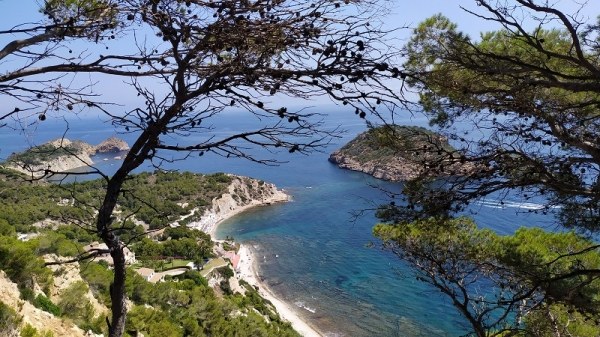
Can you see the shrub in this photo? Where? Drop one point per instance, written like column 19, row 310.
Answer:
column 44, row 303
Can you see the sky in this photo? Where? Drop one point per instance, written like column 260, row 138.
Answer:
column 401, row 13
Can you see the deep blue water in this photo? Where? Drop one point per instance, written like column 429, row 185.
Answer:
column 313, row 252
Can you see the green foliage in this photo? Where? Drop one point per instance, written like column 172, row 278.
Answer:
column 6, row 229
column 44, row 153
column 537, row 101
column 188, row 248
column 9, row 320
column 192, row 305
column 381, row 143
column 494, row 273
column 404, row 152
column 225, row 272
column 21, row 264
column 27, row 294
column 176, row 233
column 76, row 234
column 152, row 323
column 72, row 301
column 154, row 197
column 186, row 307
column 225, row 287
column 195, row 277
column 98, row 278
column 29, row 331
column 52, row 242
column 46, row 304
column 230, row 246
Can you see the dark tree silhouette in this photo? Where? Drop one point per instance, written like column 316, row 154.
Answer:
column 521, row 105
column 40, row 61
column 197, row 59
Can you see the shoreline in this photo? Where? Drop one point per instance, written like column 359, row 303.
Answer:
column 278, row 197
column 249, row 272
column 248, row 269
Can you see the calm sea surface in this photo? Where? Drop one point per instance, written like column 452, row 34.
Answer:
column 313, row 252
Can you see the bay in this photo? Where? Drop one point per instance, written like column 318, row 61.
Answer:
column 314, row 252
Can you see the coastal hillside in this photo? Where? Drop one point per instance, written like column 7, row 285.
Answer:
column 179, row 281
column 400, row 153
column 61, row 155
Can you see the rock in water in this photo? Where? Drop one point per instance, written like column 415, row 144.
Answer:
column 112, row 145
column 61, row 155
column 401, row 153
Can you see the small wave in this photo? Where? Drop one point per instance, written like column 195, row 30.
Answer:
column 514, row 204
column 303, row 305
column 334, row 334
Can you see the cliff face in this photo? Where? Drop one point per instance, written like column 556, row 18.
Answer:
column 243, row 193
column 391, row 169
column 61, row 155
column 39, row 319
column 400, row 153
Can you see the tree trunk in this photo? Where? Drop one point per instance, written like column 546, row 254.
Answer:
column 117, row 294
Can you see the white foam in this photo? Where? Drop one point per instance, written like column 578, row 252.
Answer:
column 514, row 204
column 303, row 305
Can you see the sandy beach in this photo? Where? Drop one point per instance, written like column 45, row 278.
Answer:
column 247, row 268
column 248, row 272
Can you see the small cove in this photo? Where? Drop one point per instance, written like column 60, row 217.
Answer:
column 312, row 252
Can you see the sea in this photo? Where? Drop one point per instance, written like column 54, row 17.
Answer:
column 316, row 252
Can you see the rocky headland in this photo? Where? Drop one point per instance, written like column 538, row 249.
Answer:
column 242, row 193
column 61, row 155
column 401, row 153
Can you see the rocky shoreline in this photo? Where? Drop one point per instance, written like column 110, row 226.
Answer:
column 243, row 193
column 400, row 153
column 61, row 155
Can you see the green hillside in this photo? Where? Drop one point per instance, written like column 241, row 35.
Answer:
column 183, row 305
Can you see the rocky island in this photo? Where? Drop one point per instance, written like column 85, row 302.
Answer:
column 401, row 153
column 61, row 155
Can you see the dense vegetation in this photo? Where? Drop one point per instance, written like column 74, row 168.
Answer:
column 155, row 198
column 189, row 247
column 181, row 306
column 401, row 153
column 46, row 152
column 531, row 95
column 194, row 61
column 383, row 143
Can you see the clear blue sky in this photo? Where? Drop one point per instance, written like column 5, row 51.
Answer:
column 401, row 13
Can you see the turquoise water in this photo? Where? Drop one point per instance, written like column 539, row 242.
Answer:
column 314, row 252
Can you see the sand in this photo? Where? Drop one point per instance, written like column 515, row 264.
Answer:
column 248, row 271
column 214, row 220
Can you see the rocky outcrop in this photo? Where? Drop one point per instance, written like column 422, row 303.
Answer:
column 64, row 276
column 393, row 169
column 243, row 193
column 39, row 319
column 61, row 155
column 401, row 153
column 111, row 145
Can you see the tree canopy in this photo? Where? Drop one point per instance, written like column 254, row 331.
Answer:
column 521, row 105
column 532, row 96
column 193, row 60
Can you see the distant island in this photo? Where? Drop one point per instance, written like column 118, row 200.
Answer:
column 401, row 153
column 61, row 155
